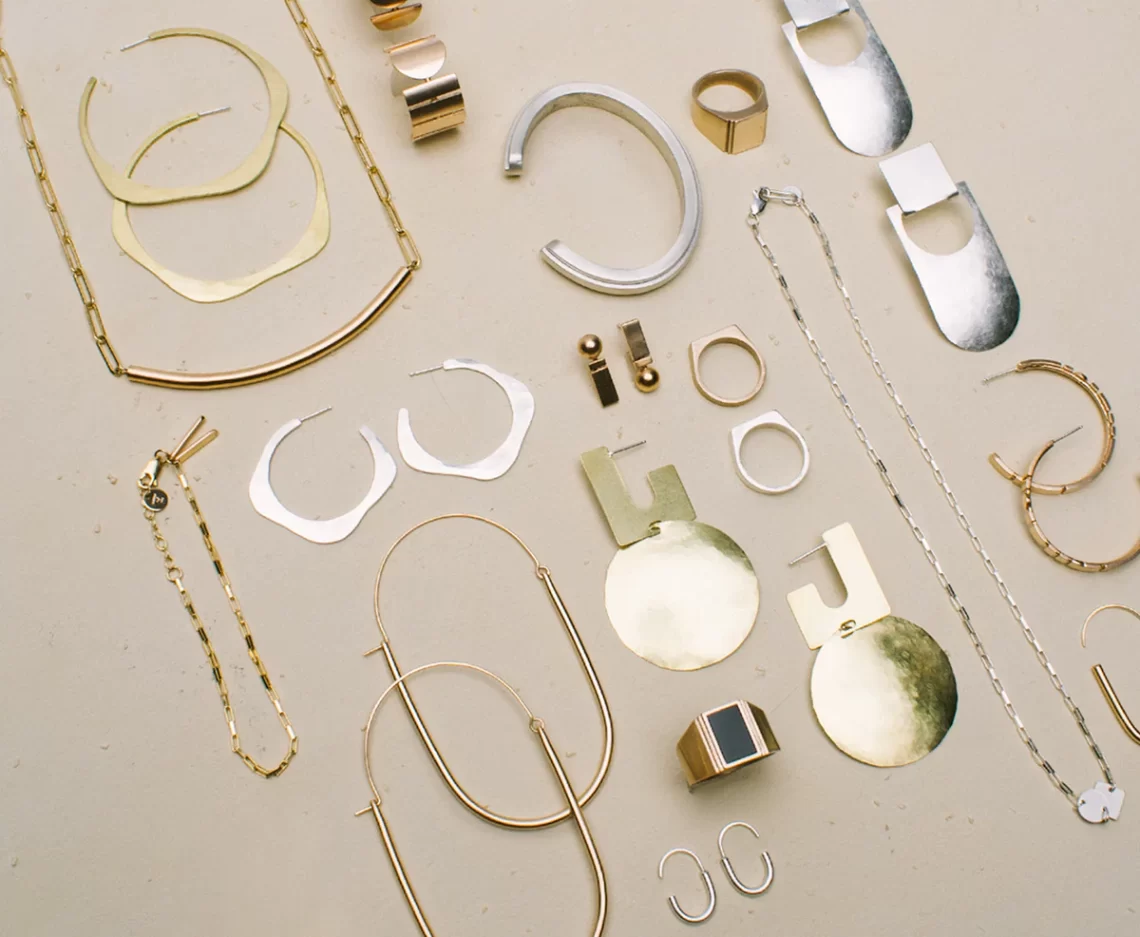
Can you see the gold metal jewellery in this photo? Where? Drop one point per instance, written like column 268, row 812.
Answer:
column 680, row 594
column 126, row 189
column 590, row 348
column 154, row 501
column 1042, row 539
column 732, row 335
column 732, row 131
column 882, row 688
column 435, row 101
column 1104, row 409
column 722, row 740
column 395, row 14
column 546, row 578
column 312, row 241
column 1110, row 695
column 538, row 727
column 645, row 377
column 190, row 380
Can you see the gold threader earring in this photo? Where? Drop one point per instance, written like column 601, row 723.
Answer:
column 538, row 727
column 544, row 576
column 122, row 187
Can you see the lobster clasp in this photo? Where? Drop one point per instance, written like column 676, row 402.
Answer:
column 148, row 477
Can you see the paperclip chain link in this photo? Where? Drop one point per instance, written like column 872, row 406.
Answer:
column 175, row 575
column 794, row 198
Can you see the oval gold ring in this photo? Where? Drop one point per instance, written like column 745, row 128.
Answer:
column 732, row 131
column 732, row 335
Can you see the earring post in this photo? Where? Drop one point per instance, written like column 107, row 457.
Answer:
column 994, row 377
column 213, row 111
column 627, row 448
column 438, row 367
column 1069, row 433
column 132, row 45
column 804, row 556
column 315, row 413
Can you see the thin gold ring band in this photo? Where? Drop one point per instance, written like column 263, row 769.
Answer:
column 732, row 335
column 311, row 243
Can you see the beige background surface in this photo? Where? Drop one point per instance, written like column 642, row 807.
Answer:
column 122, row 810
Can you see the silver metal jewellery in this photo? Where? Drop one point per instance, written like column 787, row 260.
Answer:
column 335, row 529
column 709, row 888
column 1096, row 795
column 731, row 873
column 971, row 292
column 490, row 467
column 864, row 101
column 572, row 265
column 775, row 420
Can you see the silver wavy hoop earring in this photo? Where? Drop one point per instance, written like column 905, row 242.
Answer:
column 490, row 467
column 731, row 872
column 335, row 529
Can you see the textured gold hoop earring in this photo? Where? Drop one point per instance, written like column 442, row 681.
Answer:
column 312, row 242
column 136, row 193
column 1043, row 541
column 1103, row 407
column 547, row 580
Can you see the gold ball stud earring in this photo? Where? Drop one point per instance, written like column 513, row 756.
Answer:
column 589, row 346
column 647, row 380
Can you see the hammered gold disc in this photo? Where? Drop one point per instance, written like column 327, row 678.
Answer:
column 684, row 598
column 885, row 694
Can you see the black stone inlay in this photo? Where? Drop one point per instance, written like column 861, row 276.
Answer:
column 731, row 733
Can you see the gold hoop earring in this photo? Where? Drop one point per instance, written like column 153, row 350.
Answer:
column 126, row 189
column 1043, row 541
column 1106, row 418
column 544, row 575
column 312, row 242
column 538, row 727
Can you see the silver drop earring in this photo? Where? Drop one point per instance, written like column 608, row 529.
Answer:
column 726, row 863
column 490, row 467
column 710, row 889
column 335, row 529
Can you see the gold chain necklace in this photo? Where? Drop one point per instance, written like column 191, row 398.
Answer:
column 261, row 372
column 154, row 501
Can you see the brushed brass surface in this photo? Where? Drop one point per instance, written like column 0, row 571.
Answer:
column 885, row 694
column 684, row 598
column 732, row 131
column 628, row 521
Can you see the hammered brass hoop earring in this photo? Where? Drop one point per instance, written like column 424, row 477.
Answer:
column 538, row 727
column 1104, row 408
column 1040, row 538
column 544, row 576
column 312, row 242
column 122, row 187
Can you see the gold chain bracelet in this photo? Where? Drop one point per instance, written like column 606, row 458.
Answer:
column 256, row 373
column 154, row 501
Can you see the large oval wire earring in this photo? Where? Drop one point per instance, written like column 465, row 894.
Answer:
column 311, row 243
column 498, row 462
column 731, row 872
column 547, row 580
column 538, row 727
column 1040, row 538
column 1104, row 409
column 710, row 890
column 335, row 529
column 126, row 189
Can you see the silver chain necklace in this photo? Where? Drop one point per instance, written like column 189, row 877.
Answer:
column 1103, row 801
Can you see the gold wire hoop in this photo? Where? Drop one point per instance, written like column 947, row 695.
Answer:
column 538, row 727
column 1040, row 538
column 544, row 575
column 128, row 190
column 1104, row 408
column 312, row 241
column 1105, row 684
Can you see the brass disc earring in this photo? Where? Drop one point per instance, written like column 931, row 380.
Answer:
column 312, row 242
column 122, row 187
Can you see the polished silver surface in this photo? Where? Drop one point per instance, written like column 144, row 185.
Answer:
column 775, row 420
column 710, row 890
column 918, row 178
column 498, row 462
column 335, row 529
column 572, row 265
column 864, row 100
column 971, row 292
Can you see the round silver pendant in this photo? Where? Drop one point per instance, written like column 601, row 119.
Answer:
column 884, row 694
column 684, row 598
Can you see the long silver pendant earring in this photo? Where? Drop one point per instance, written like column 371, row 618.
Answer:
column 335, row 529
column 490, row 467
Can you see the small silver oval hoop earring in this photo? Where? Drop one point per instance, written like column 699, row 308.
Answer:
column 775, row 420
column 335, row 529
column 674, row 904
column 728, row 870
column 490, row 467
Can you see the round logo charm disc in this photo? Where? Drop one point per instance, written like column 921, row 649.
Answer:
column 684, row 598
column 884, row 694
column 156, row 499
